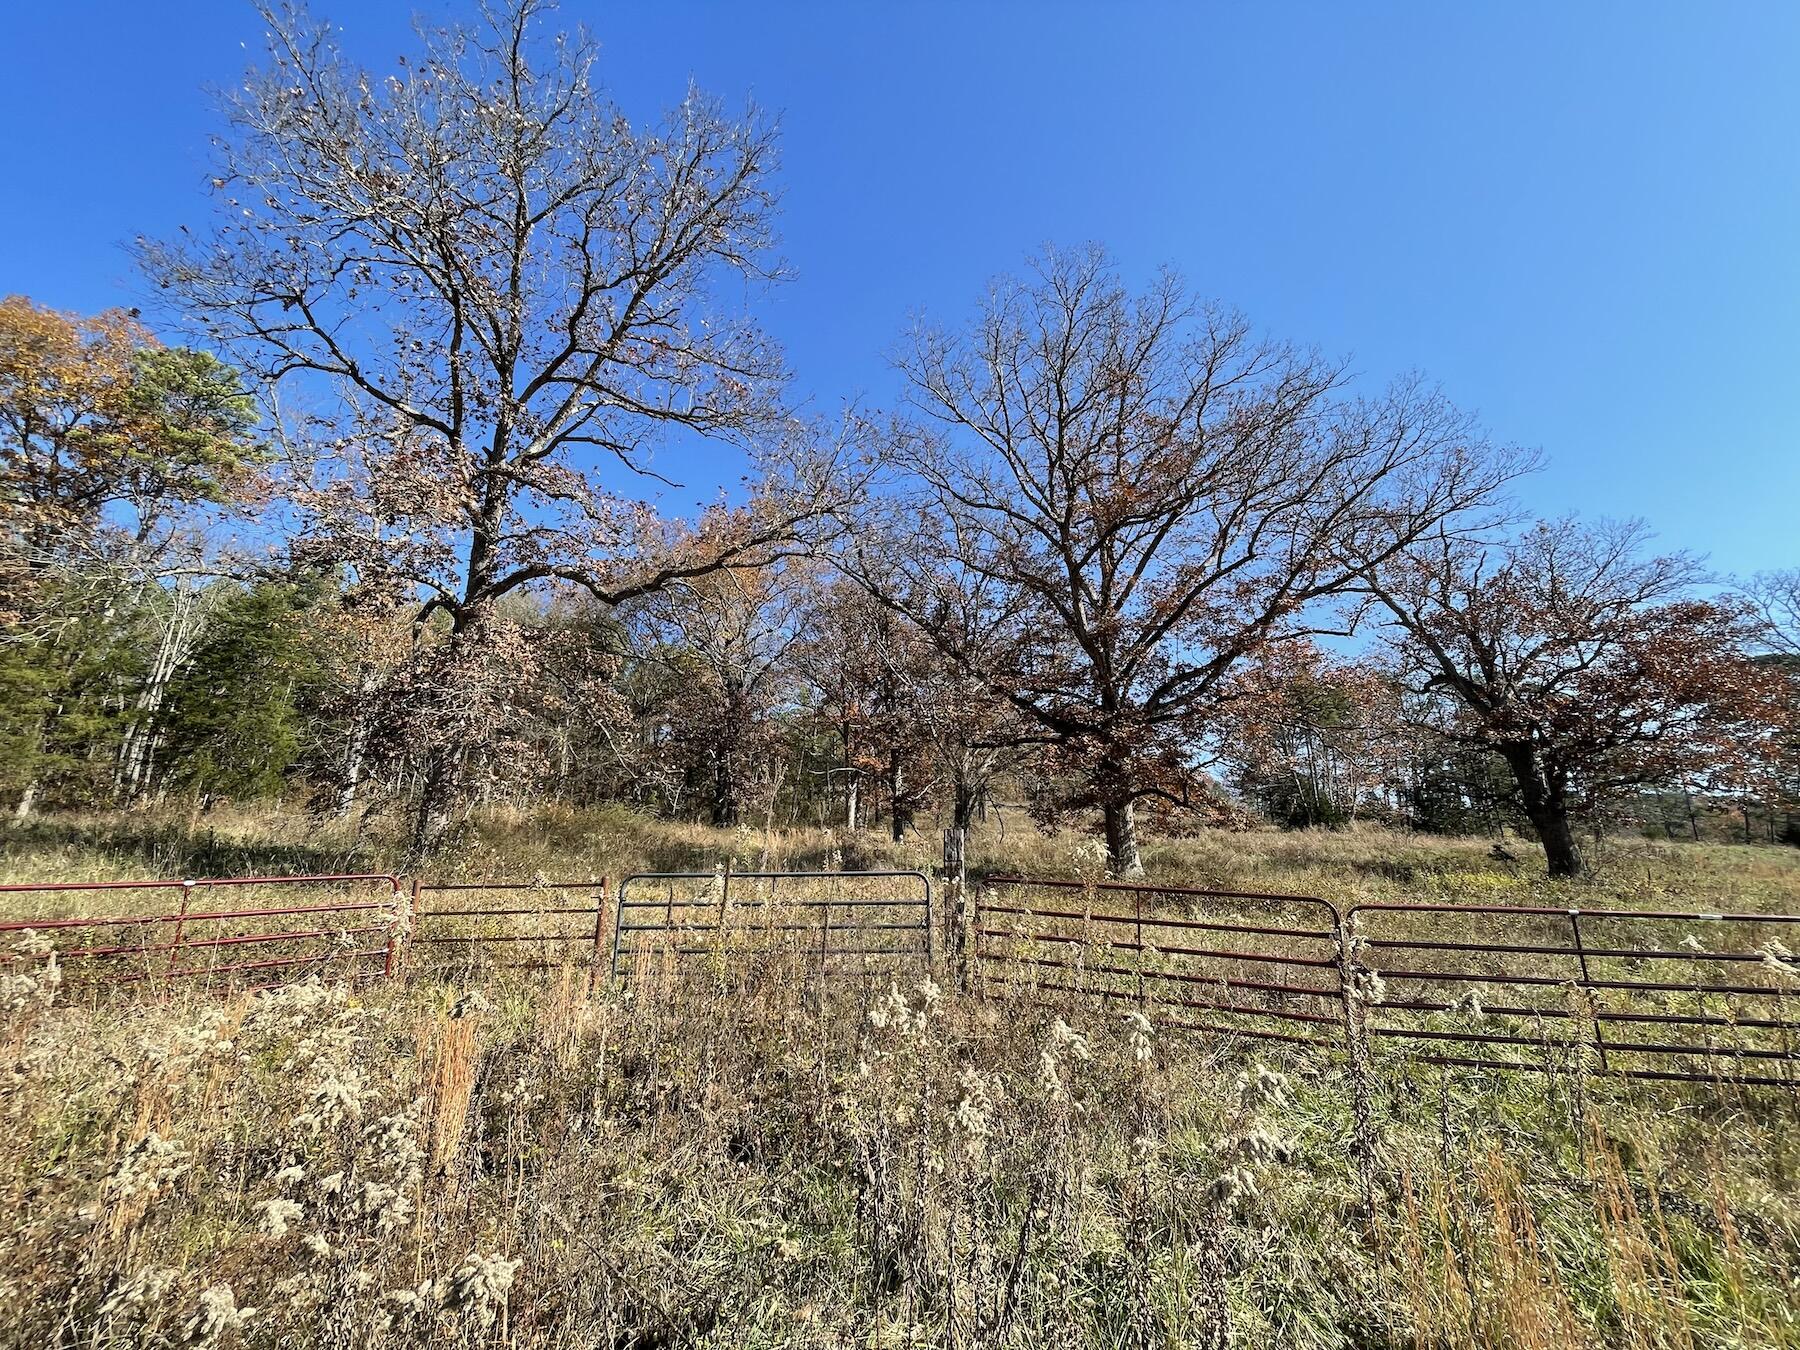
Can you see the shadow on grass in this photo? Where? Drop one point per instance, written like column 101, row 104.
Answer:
column 149, row 849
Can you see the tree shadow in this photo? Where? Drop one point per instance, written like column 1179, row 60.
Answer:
column 168, row 851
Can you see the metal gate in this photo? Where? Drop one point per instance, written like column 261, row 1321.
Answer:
column 1264, row 966
column 1638, row 993
column 836, row 922
column 507, row 925
column 345, row 925
column 1698, row 997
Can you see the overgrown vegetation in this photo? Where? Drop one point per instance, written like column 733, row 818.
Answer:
column 726, row 1154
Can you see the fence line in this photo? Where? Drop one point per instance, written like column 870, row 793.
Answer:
column 1496, row 987
column 1652, row 973
column 469, row 927
column 165, row 937
column 706, row 918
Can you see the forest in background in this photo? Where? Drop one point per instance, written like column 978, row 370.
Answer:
column 351, row 521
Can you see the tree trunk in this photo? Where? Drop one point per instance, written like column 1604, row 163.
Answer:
column 1122, row 856
column 965, row 794
column 143, row 734
column 439, row 795
column 1562, row 855
column 1547, row 808
column 852, row 781
column 724, row 802
column 355, row 752
column 896, row 796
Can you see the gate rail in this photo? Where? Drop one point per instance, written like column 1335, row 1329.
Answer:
column 1670, row 981
column 702, row 919
column 165, row 936
column 1712, row 1013
column 469, row 926
column 1148, row 957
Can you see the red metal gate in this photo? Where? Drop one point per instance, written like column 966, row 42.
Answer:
column 353, row 932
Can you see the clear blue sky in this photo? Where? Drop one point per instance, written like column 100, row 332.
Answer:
column 1582, row 219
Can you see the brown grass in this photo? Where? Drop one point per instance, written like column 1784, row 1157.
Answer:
column 732, row 1152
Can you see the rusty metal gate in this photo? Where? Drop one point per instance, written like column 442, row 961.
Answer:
column 344, row 925
column 837, row 922
column 1260, row 965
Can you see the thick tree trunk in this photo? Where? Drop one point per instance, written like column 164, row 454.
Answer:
column 1547, row 808
column 724, row 801
column 1562, row 855
column 439, row 796
column 965, row 794
column 1122, row 856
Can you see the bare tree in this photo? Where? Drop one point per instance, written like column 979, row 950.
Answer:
column 1775, row 597
column 494, row 285
column 1586, row 666
column 1144, row 494
column 728, row 638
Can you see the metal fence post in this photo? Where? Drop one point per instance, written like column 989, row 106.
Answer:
column 1351, row 991
column 169, row 967
column 599, row 936
column 724, row 901
column 956, row 885
column 1138, row 937
column 1587, row 987
column 618, row 924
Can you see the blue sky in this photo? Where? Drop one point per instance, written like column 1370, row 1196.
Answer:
column 1582, row 220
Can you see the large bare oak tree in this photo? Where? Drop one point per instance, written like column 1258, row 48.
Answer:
column 486, row 286
column 1144, row 493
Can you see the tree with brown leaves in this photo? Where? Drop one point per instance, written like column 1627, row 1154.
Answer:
column 1311, row 739
column 490, row 285
column 1145, row 494
column 1589, row 668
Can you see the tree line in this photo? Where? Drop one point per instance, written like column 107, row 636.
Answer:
column 372, row 527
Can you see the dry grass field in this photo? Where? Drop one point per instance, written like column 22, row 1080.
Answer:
column 728, row 1154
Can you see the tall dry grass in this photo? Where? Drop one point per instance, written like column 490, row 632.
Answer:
column 730, row 1152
